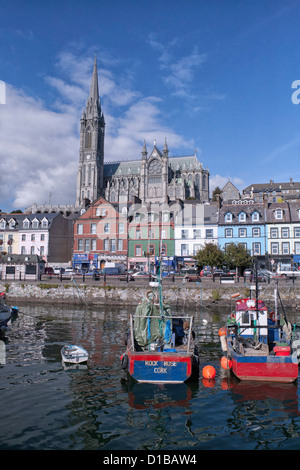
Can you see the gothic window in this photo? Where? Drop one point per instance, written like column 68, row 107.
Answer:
column 204, row 182
column 88, row 138
column 154, row 167
column 197, row 181
column 89, row 173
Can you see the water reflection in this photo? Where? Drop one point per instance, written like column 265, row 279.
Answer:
column 96, row 408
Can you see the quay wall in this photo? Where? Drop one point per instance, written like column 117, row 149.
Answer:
column 189, row 295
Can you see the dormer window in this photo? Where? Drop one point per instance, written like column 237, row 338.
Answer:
column 242, row 217
column 278, row 214
column 2, row 224
column 255, row 217
column 45, row 223
column 12, row 223
column 35, row 223
column 228, row 217
column 26, row 223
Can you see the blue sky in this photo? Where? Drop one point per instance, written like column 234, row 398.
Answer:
column 211, row 76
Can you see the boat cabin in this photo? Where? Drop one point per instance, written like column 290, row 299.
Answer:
column 251, row 313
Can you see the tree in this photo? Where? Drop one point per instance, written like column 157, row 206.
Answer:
column 236, row 255
column 210, row 255
column 216, row 191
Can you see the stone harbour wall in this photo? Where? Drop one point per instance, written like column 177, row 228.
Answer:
column 177, row 295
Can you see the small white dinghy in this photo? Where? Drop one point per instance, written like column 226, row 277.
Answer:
column 74, row 354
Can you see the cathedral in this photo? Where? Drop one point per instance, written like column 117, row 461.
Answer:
column 154, row 177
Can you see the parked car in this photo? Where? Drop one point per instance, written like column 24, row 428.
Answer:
column 125, row 277
column 49, row 271
column 218, row 272
column 68, row 273
column 59, row 270
column 110, row 271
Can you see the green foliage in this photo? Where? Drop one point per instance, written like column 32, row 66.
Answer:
column 210, row 255
column 236, row 255
column 216, row 294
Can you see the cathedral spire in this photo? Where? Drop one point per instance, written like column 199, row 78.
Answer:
column 93, row 100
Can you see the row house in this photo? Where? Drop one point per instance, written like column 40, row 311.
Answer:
column 283, row 232
column 244, row 223
column 151, row 235
column 46, row 235
column 269, row 231
column 100, row 235
column 196, row 225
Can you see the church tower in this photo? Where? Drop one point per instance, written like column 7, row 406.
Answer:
column 91, row 150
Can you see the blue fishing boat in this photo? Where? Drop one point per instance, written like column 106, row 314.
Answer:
column 7, row 313
column 160, row 346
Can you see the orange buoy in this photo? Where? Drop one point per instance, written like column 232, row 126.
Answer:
column 222, row 331
column 235, row 295
column 226, row 363
column 209, row 372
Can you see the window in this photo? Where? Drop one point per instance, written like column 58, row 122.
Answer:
column 138, row 233
column 255, row 216
column 23, row 237
column 12, row 224
column 196, row 233
column 209, row 233
column 278, row 214
column 166, row 217
column 79, row 229
column 35, row 223
column 242, row 232
column 285, row 248
column 120, row 244
column 285, row 233
column 297, row 248
column 256, row 232
column 25, row 224
column 42, row 250
column 93, row 229
column 87, row 245
column 113, row 245
column 274, row 232
column 150, row 233
column 274, row 248
column 138, row 250
column 121, row 227
column 106, row 228
column 228, row 217
column 80, row 245
column 228, row 232
column 242, row 217
column 256, row 249
column 163, row 233
column 32, row 250
column 151, row 250
column 184, row 250
column 106, row 244
column 23, row 250
column 196, row 249
column 32, row 237
column 42, row 237
column 297, row 232
column 164, row 249
column 2, row 224
column 184, row 234
column 93, row 244
column 44, row 223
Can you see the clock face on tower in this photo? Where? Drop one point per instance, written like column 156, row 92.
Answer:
column 154, row 167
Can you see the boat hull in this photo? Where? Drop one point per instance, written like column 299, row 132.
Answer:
column 74, row 354
column 269, row 368
column 160, row 367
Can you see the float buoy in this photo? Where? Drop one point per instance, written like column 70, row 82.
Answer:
column 222, row 335
column 235, row 295
column 209, row 372
column 226, row 363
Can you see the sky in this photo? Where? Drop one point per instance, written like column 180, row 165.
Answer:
column 219, row 78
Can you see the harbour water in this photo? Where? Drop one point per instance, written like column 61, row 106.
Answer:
column 46, row 406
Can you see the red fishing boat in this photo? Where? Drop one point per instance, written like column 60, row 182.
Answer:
column 259, row 344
